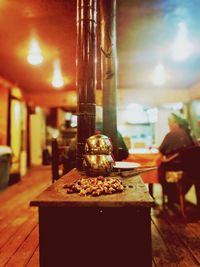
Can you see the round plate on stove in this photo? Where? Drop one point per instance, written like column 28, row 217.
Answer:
column 123, row 165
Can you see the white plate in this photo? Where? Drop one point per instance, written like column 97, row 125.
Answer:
column 126, row 165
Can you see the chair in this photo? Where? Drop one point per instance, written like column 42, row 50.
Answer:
column 54, row 160
column 187, row 176
column 57, row 154
column 175, row 177
column 190, row 158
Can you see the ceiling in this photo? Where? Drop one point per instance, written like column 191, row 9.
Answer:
column 146, row 31
column 54, row 25
column 146, row 34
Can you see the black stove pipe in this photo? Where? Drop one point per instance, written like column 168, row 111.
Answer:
column 86, row 73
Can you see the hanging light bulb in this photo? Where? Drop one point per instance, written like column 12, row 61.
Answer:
column 57, row 80
column 34, row 56
column 182, row 48
column 159, row 75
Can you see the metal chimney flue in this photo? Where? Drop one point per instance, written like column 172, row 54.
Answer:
column 86, row 73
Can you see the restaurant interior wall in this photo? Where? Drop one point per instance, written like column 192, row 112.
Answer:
column 13, row 127
column 145, row 131
column 4, row 98
column 52, row 117
column 151, row 97
column 136, row 134
column 54, row 98
column 16, row 138
column 18, row 133
column 24, row 138
column 63, row 118
column 195, row 118
column 195, row 92
column 161, row 126
column 61, row 123
column 37, row 136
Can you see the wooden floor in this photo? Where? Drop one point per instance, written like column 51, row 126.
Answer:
column 176, row 241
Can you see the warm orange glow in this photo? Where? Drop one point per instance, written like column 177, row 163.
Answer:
column 3, row 4
column 16, row 114
column 57, row 80
column 34, row 55
column 72, row 98
column 16, row 92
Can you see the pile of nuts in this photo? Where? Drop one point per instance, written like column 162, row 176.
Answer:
column 95, row 186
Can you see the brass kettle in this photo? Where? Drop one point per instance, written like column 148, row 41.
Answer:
column 98, row 159
column 98, row 164
column 98, row 144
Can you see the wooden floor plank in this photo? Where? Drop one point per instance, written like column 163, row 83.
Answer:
column 15, row 215
column 34, row 261
column 154, row 264
column 189, row 238
column 12, row 204
column 12, row 227
column 18, row 219
column 22, row 256
column 159, row 248
column 181, row 255
column 194, row 227
column 29, row 189
column 7, row 251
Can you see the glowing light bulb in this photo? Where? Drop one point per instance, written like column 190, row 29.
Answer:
column 159, row 75
column 34, row 56
column 57, row 80
column 182, row 47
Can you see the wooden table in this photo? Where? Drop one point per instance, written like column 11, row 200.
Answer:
column 108, row 230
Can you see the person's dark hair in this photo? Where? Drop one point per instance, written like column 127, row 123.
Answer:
column 183, row 123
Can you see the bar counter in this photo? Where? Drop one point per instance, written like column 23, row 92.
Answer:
column 107, row 230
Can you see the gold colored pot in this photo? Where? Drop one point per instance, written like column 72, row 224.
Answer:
column 98, row 144
column 98, row 164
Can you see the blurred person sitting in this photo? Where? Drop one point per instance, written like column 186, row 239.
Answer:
column 176, row 140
